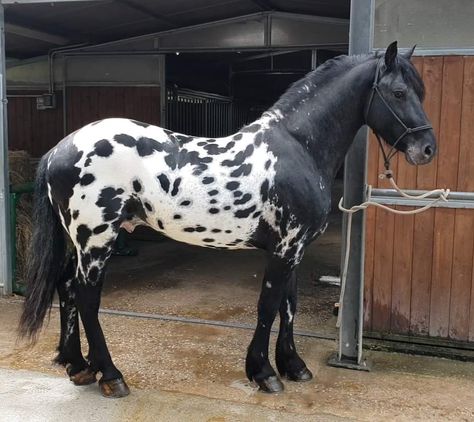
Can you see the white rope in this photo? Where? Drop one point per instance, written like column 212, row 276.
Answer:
column 439, row 195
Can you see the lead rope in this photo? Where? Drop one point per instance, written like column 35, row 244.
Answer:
column 442, row 195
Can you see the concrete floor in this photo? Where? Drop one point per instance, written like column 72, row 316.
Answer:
column 180, row 371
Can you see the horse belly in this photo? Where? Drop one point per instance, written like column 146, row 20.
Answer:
column 204, row 214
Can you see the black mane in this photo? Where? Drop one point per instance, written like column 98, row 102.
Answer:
column 321, row 75
column 332, row 69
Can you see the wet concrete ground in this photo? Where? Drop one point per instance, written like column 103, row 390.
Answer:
column 182, row 371
column 167, row 364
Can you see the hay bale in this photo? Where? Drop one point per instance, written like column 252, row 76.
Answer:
column 22, row 170
column 21, row 167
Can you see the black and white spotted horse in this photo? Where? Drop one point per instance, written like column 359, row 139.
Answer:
column 268, row 186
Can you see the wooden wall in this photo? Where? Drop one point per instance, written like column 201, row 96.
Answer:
column 39, row 130
column 30, row 129
column 419, row 276
column 86, row 104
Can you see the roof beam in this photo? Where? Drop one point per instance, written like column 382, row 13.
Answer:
column 35, row 34
column 265, row 5
column 151, row 13
column 41, row 1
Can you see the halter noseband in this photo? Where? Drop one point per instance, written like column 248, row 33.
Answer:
column 392, row 151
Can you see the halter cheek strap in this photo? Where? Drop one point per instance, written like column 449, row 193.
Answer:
column 407, row 130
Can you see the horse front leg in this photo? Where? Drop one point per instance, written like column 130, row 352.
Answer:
column 258, row 367
column 88, row 291
column 289, row 363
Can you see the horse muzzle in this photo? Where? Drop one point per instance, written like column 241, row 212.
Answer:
column 422, row 152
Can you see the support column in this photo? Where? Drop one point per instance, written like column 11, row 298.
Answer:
column 349, row 354
column 5, row 230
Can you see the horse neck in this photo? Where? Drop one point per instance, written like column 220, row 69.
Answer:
column 328, row 116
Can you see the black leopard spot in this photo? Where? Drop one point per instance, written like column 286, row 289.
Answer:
column 126, row 140
column 213, row 192
column 87, row 179
column 110, row 203
column 145, row 125
column 264, row 190
column 164, row 182
column 83, row 234
column 103, row 148
column 207, row 180
column 247, row 197
column 243, row 170
column 251, row 128
column 100, row 229
column 137, row 187
column 232, row 185
column 245, row 213
column 214, row 210
column 147, row 146
column 176, row 184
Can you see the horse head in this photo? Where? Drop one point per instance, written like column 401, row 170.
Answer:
column 394, row 108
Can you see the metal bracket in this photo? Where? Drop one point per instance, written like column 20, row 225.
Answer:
column 348, row 363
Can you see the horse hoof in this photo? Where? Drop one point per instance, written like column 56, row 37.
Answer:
column 84, row 377
column 302, row 375
column 114, row 388
column 270, row 385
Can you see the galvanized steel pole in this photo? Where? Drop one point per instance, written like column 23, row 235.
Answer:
column 5, row 246
column 350, row 332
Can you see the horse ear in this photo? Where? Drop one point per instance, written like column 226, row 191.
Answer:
column 391, row 55
column 409, row 53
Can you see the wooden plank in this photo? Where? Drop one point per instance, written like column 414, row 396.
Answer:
column 461, row 275
column 383, row 259
column 460, row 305
column 432, row 77
column 372, row 179
column 450, row 124
column 369, row 266
column 402, row 272
column 424, row 223
column 421, row 272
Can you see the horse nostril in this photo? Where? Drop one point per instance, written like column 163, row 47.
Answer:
column 428, row 151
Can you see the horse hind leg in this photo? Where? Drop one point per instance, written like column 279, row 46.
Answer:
column 289, row 363
column 69, row 349
column 88, row 290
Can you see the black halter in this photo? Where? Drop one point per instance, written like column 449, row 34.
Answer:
column 392, row 151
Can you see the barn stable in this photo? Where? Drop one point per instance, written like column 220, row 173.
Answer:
column 207, row 69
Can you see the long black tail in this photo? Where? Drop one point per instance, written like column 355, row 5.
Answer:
column 46, row 258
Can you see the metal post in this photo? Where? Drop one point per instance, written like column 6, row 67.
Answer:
column 163, row 92
column 5, row 229
column 350, row 332
column 314, row 58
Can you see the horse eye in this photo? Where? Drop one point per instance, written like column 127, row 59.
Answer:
column 398, row 94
